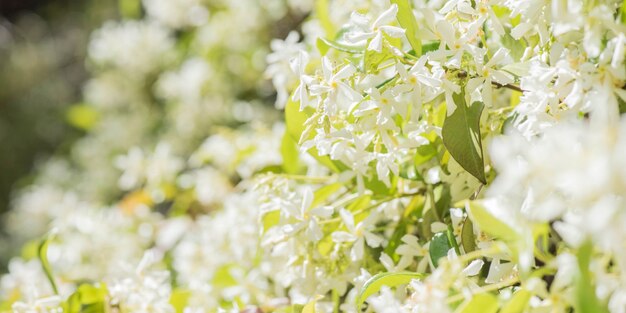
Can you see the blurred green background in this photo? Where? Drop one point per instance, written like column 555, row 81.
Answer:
column 42, row 69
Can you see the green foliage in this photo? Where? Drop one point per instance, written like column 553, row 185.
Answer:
column 296, row 121
column 289, row 152
column 586, row 300
column 323, row 14
column 372, row 60
column 461, row 136
column 439, row 247
column 45, row 265
column 468, row 239
column 322, row 194
column 489, row 223
column 374, row 284
column 480, row 303
column 82, row 116
column 130, row 8
column 323, row 45
column 87, row 299
column 270, row 219
column 518, row 302
column 407, row 21
column 179, row 299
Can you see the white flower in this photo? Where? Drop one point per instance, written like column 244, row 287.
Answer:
column 339, row 94
column 358, row 234
column 134, row 47
column 285, row 54
column 364, row 31
column 386, row 302
column 144, row 290
column 306, row 217
column 134, row 166
column 487, row 75
column 52, row 304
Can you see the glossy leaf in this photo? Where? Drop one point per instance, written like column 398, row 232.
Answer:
column 468, row 239
column 461, row 136
column 439, row 247
column 374, row 284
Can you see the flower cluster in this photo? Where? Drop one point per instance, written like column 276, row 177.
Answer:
column 457, row 156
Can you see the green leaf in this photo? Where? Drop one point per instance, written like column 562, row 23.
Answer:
column 359, row 203
column 461, row 136
column 373, row 59
column 323, row 15
column 468, row 240
column 30, row 249
column 585, row 292
column 395, row 240
column 310, row 307
column 93, row 308
column 439, row 247
column 222, row 277
column 87, row 298
column 518, row 302
column 489, row 223
column 90, row 294
column 424, row 153
column 324, row 193
column 289, row 152
column 130, row 9
column 378, row 187
column 374, row 284
column 408, row 171
column 323, row 45
column 624, row 12
column 480, row 303
column 428, row 218
column 430, row 46
column 270, row 219
column 516, row 47
column 179, row 299
column 407, row 21
column 415, row 207
column 295, row 119
column 45, row 265
column 517, row 69
column 82, row 116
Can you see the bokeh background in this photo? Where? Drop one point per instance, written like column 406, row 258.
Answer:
column 42, row 67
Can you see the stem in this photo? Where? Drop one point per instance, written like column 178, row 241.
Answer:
column 452, row 240
column 509, row 86
column 433, row 206
column 313, row 179
column 338, row 219
column 488, row 288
